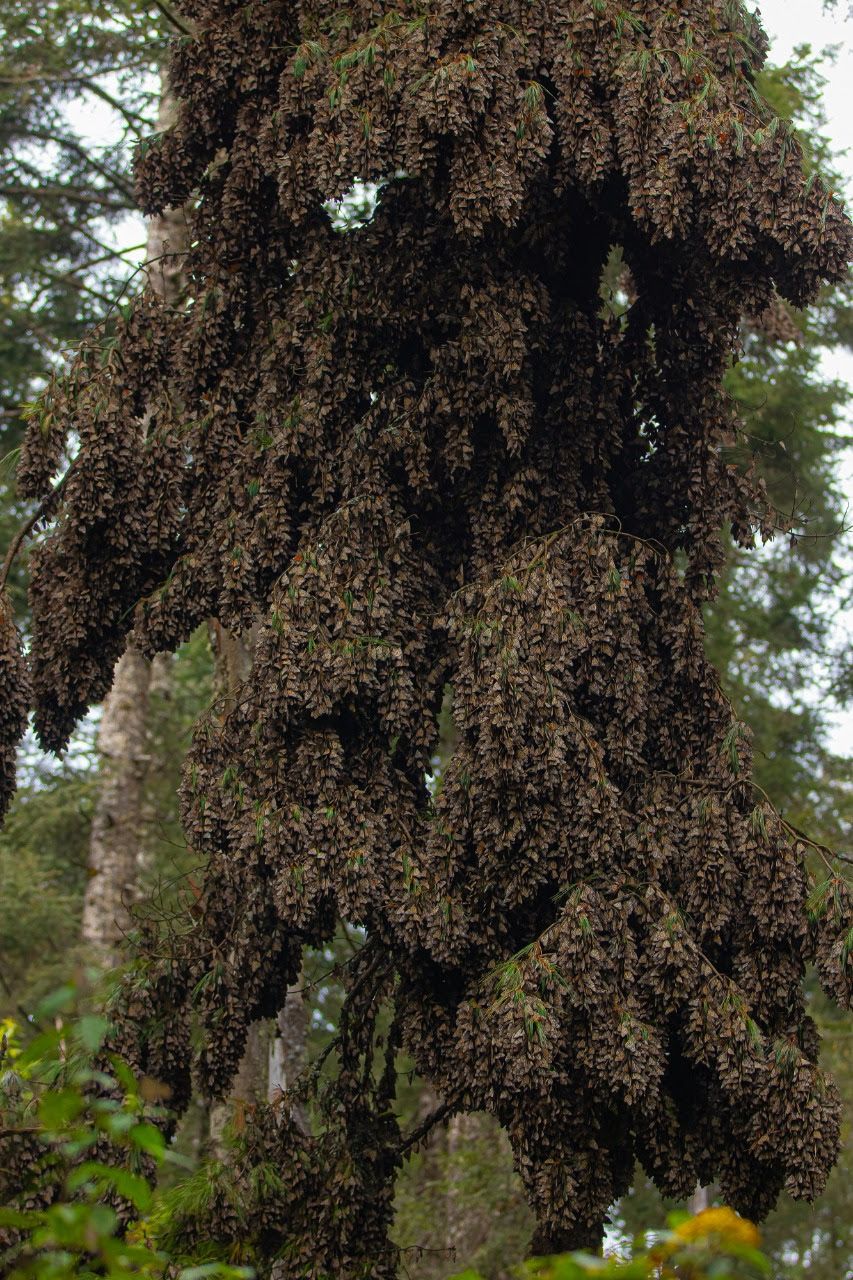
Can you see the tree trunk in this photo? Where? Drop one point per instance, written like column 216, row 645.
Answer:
column 288, row 1051
column 115, row 841
column 700, row 1200
column 116, row 846
column 167, row 238
column 232, row 662
column 247, row 1090
column 467, row 1227
column 266, row 1058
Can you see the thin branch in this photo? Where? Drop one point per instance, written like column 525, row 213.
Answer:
column 18, row 541
column 41, row 76
column 828, row 855
column 78, row 229
column 59, row 277
column 132, row 118
column 173, row 19
column 71, row 144
column 75, row 195
column 6, row 985
column 426, row 1126
column 127, row 115
column 27, row 528
column 107, row 256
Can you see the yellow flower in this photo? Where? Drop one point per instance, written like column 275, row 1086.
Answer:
column 722, row 1223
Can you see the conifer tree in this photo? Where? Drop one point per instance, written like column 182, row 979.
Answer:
column 62, row 198
column 425, row 459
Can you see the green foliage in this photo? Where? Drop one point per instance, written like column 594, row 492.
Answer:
column 44, row 842
column 769, row 630
column 462, row 1196
column 43, row 848
column 66, row 234
column 715, row 1245
column 87, row 1135
column 98, row 1142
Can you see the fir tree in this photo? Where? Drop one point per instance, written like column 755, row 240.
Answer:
column 422, row 457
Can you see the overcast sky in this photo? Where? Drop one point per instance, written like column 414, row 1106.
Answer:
column 790, row 23
column 793, row 22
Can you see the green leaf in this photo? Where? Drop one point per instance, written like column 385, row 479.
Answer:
column 57, row 1002
column 91, row 1031
column 133, row 1187
column 149, row 1139
column 39, row 1052
column 60, row 1107
column 118, row 1123
column 17, row 1220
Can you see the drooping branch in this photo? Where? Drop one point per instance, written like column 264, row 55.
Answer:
column 41, row 512
column 442, row 482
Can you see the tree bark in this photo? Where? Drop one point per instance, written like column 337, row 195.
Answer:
column 115, row 841
column 288, row 1051
column 253, row 1083
column 248, row 1089
column 116, row 845
column 232, row 662
column 466, row 1227
column 700, row 1200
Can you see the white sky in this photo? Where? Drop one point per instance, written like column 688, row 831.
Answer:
column 790, row 23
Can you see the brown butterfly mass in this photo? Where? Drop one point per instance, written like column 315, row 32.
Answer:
column 427, row 465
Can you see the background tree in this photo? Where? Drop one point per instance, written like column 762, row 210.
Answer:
column 64, row 197
column 65, row 201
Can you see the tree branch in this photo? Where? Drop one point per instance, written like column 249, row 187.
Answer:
column 59, row 277
column 434, row 1118
column 27, row 528
column 173, row 19
column 127, row 115
column 78, row 229
column 89, row 83
column 71, row 144
column 75, row 195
